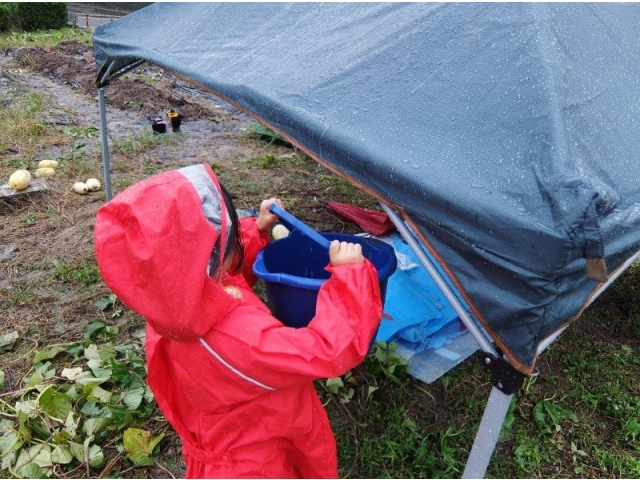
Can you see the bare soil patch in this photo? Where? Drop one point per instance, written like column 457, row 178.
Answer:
column 72, row 63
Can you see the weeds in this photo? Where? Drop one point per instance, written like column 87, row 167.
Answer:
column 24, row 130
column 44, row 38
column 18, row 296
column 89, row 131
column 84, row 274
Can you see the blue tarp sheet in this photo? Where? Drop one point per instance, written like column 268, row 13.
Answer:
column 505, row 133
column 417, row 315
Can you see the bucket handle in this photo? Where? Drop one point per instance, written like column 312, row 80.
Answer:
column 292, row 222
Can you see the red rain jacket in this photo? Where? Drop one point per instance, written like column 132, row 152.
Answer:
column 234, row 382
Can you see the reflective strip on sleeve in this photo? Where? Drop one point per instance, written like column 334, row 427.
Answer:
column 234, row 370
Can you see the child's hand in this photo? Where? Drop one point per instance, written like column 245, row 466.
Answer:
column 266, row 218
column 344, row 252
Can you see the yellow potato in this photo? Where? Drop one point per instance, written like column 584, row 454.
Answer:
column 93, row 184
column 19, row 180
column 80, row 188
column 45, row 172
column 48, row 164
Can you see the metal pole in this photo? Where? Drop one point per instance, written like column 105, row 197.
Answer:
column 449, row 294
column 105, row 143
column 488, row 433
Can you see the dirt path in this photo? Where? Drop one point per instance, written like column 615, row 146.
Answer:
column 212, row 129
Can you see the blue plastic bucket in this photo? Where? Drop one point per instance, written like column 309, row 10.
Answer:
column 293, row 269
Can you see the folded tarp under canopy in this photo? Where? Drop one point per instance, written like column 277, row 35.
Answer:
column 506, row 134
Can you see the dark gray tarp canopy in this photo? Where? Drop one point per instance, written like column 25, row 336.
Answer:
column 508, row 134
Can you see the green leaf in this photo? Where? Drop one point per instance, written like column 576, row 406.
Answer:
column 93, row 328
column 92, row 409
column 141, row 460
column 104, row 303
column 29, row 455
column 34, row 380
column 71, row 425
column 106, row 351
column 539, row 415
column 95, row 425
column 55, row 404
column 86, row 380
column 99, row 394
column 8, row 460
column 334, row 384
column 111, row 331
column 133, row 398
column 46, row 370
column 8, row 340
column 97, row 368
column 73, row 394
column 139, row 445
column 76, row 350
column 62, row 437
column 371, row 390
column 31, row 470
column 23, row 427
column 47, row 353
column 552, row 412
column 91, row 352
column 8, row 441
column 148, row 394
column 1, row 379
column 27, row 407
column 61, row 455
column 43, row 456
column 96, row 456
column 77, row 450
column 120, row 373
column 121, row 416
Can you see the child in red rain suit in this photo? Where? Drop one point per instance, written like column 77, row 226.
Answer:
column 234, row 382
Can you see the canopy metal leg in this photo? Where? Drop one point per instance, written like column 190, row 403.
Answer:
column 486, row 439
column 506, row 380
column 105, row 143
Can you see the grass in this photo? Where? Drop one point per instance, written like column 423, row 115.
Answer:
column 580, row 418
column 25, row 129
column 44, row 38
column 82, row 273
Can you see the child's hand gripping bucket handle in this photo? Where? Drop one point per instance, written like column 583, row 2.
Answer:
column 292, row 222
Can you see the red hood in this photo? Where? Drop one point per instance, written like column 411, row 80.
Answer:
column 155, row 246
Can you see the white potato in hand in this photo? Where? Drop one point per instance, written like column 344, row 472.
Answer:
column 279, row 231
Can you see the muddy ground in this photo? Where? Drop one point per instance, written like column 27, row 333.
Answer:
column 66, row 74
